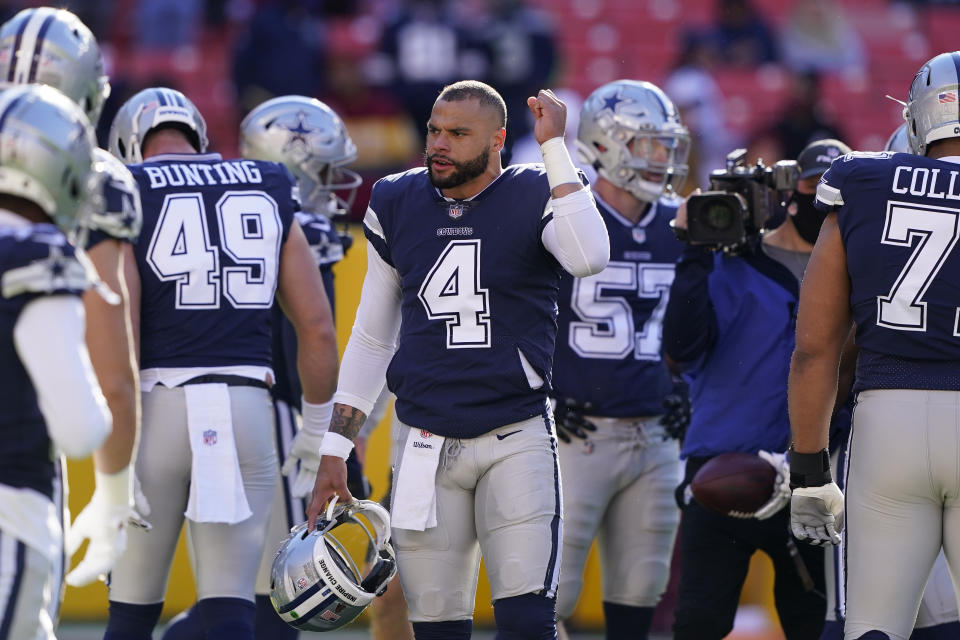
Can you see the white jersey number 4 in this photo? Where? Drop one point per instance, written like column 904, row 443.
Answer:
column 451, row 292
column 249, row 230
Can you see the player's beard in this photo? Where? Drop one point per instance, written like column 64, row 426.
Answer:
column 463, row 171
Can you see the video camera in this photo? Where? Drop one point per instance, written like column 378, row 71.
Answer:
column 740, row 201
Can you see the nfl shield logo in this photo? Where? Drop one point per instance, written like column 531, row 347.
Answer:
column 455, row 211
column 301, row 583
column 639, row 235
column 424, row 433
column 209, row 437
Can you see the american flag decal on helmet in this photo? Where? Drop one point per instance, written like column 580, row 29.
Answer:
column 947, row 97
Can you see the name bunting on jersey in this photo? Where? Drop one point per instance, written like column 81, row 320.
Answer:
column 179, row 174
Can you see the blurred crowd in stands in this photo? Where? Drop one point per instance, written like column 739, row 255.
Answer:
column 771, row 75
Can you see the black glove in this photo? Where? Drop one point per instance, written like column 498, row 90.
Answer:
column 357, row 483
column 676, row 411
column 346, row 239
column 569, row 416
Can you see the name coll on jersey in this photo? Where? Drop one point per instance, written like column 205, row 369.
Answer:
column 179, row 174
column 925, row 182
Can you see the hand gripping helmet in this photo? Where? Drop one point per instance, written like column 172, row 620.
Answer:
column 311, row 140
column 897, row 142
column 933, row 105
column 47, row 155
column 149, row 109
column 631, row 133
column 315, row 585
column 52, row 46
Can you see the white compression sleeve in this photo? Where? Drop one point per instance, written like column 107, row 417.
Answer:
column 49, row 336
column 373, row 338
column 577, row 235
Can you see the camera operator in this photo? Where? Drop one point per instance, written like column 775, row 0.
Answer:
column 729, row 326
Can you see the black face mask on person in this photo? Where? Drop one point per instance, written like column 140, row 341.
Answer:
column 807, row 218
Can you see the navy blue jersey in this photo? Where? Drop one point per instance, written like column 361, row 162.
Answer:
column 35, row 261
column 899, row 217
column 611, row 324
column 478, row 290
column 327, row 249
column 209, row 257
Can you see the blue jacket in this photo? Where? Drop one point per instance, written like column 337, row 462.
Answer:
column 730, row 324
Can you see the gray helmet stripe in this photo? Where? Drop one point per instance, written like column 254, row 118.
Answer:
column 37, row 46
column 15, row 55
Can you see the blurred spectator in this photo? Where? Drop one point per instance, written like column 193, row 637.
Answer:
column 166, row 24
column 387, row 140
column 818, row 37
column 279, row 54
column 523, row 51
column 740, row 36
column 801, row 122
column 693, row 89
column 422, row 49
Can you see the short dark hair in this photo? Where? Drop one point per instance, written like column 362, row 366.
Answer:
column 487, row 95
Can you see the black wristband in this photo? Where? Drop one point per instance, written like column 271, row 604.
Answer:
column 809, row 469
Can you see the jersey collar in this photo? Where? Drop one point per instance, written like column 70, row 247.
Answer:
column 619, row 217
column 184, row 157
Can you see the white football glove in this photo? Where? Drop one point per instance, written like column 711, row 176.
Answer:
column 103, row 521
column 781, row 485
column 305, row 448
column 816, row 514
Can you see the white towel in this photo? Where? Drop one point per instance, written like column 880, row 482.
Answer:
column 216, row 486
column 414, row 503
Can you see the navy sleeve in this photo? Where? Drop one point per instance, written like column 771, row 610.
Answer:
column 690, row 323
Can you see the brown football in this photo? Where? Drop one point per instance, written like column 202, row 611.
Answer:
column 734, row 481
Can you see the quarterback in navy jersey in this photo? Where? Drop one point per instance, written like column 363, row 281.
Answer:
column 220, row 244
column 464, row 260
column 618, row 480
column 886, row 262
column 52, row 401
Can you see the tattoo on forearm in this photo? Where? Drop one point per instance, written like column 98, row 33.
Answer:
column 347, row 420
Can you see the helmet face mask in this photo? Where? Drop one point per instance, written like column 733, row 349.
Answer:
column 310, row 139
column 933, row 104
column 52, row 46
column 148, row 110
column 630, row 132
column 316, row 583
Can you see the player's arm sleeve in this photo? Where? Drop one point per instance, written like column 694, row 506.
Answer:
column 576, row 235
column 830, row 188
column 373, row 338
column 49, row 336
column 690, row 322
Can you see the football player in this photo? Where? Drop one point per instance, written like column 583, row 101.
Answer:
column 311, row 140
column 470, row 255
column 885, row 264
column 618, row 480
column 52, row 46
column 50, row 395
column 220, row 243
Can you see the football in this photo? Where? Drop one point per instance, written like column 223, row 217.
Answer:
column 734, row 481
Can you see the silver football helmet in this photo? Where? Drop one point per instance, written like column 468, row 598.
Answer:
column 311, row 140
column 630, row 132
column 52, row 46
column 897, row 142
column 933, row 104
column 47, row 152
column 315, row 584
column 120, row 215
column 149, row 109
